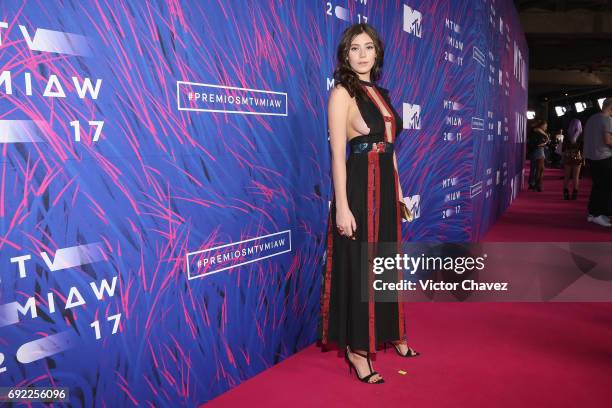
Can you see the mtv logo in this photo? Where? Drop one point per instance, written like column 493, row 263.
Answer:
column 412, row 21
column 411, row 116
column 414, row 205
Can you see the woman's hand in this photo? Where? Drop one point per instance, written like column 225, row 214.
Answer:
column 399, row 184
column 345, row 222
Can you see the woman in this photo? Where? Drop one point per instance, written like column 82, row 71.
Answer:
column 537, row 141
column 556, row 149
column 572, row 158
column 365, row 204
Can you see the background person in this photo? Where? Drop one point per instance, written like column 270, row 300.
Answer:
column 537, row 140
column 572, row 158
column 598, row 153
column 556, row 146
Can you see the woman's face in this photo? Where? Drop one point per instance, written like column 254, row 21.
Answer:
column 544, row 126
column 362, row 54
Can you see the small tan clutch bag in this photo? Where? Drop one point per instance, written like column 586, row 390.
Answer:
column 405, row 212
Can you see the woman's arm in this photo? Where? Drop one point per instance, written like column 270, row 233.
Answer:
column 337, row 113
column 399, row 184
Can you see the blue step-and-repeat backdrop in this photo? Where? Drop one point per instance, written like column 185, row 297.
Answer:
column 165, row 176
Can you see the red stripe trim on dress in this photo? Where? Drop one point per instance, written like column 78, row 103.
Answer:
column 392, row 138
column 372, row 237
column 327, row 281
column 376, row 235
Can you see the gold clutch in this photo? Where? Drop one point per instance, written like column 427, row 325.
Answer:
column 405, row 212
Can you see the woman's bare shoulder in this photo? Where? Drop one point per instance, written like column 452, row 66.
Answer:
column 339, row 97
column 340, row 91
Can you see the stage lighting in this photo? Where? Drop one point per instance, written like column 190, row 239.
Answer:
column 560, row 110
column 530, row 115
column 580, row 106
column 600, row 102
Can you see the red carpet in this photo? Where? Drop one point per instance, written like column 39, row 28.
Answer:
column 473, row 354
column 546, row 217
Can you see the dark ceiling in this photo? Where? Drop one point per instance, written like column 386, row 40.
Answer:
column 563, row 5
column 570, row 47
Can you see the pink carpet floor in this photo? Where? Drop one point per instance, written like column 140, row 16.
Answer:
column 473, row 354
column 546, row 217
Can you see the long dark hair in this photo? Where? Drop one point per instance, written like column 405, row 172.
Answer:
column 343, row 73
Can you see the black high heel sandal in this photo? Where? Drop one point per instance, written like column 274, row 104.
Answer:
column 566, row 195
column 366, row 378
column 409, row 353
column 574, row 194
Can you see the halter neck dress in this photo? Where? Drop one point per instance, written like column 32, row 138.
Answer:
column 347, row 317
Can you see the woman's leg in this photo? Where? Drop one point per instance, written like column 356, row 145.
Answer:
column 362, row 364
column 540, row 174
column 532, row 173
column 567, row 176
column 576, row 179
column 576, row 176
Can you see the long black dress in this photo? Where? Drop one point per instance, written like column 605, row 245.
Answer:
column 372, row 193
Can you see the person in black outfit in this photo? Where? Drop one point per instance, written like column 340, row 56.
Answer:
column 598, row 152
column 365, row 207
